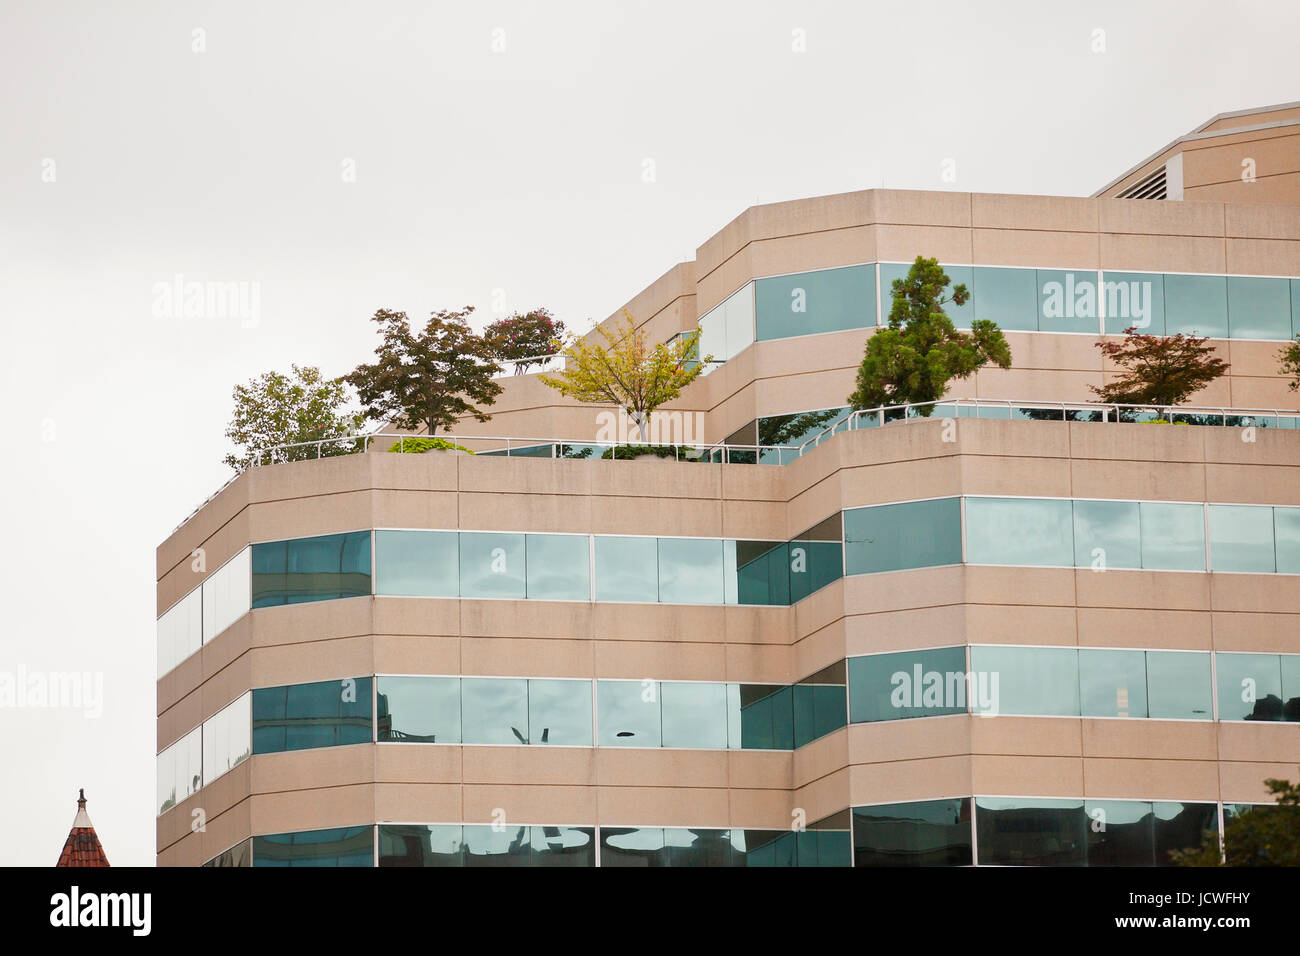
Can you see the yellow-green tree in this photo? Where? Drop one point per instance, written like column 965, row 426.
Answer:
column 628, row 371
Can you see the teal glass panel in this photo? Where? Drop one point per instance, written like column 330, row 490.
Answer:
column 1179, row 685
column 960, row 316
column 1173, row 536
column 762, row 572
column 914, row 534
column 1286, row 536
column 1067, row 301
column 828, row 300
column 1112, row 683
column 1038, row 681
column 417, row 563
column 1120, row 832
column 418, row 709
column 694, row 714
column 417, row 845
column 302, row 570
column 1133, row 299
column 1020, row 531
column 559, row 566
column 764, row 848
column 1290, row 666
column 1241, row 538
column 491, row 565
column 921, row 833
column 340, row 846
column 494, row 710
column 498, row 846
column 1250, row 686
column 816, row 557
column 627, row 569
column 1107, row 534
column 627, row 713
column 823, row 848
column 690, row 571
column 632, row 847
column 819, row 709
column 922, row 683
column 329, row 713
column 1028, row 831
column 1008, row 297
column 1295, row 308
column 1259, row 308
column 760, row 716
column 1196, row 305
column 559, row 712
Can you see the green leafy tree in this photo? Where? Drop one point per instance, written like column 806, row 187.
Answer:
column 526, row 336
column 914, row 358
column 1159, row 370
column 628, row 371
column 1267, row 835
column 1290, row 356
column 788, row 429
column 428, row 379
column 277, row 409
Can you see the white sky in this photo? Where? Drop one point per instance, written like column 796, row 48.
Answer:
column 518, row 170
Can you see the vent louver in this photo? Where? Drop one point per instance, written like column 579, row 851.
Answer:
column 1151, row 186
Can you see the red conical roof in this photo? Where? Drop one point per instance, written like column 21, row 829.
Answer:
column 83, row 847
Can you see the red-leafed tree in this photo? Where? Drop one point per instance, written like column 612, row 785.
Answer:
column 519, row 337
column 1159, row 370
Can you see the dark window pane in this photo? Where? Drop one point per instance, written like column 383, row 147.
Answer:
column 924, row 683
column 816, row 558
column 564, row 846
column 311, row 569
column 916, row 534
column 1180, row 826
column 1250, row 686
column 1120, row 833
column 341, row 846
column 760, row 717
column 1030, row 832
column 924, row 833
column 763, row 572
column 419, row 709
column 1290, row 686
column 632, row 846
column 417, row 845
column 693, row 847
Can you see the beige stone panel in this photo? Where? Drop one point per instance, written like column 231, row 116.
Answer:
column 1026, row 736
column 1272, row 150
column 1270, row 447
column 753, row 520
column 923, row 207
column 406, row 472
column 660, row 767
column 224, row 831
column 819, row 650
column 1243, row 631
column 823, row 796
column 508, row 618
column 669, row 624
column 1161, row 220
column 530, row 804
column 312, row 622
column 198, row 528
column 1246, row 220
column 806, row 252
column 760, row 664
column 810, row 508
column 1269, row 257
column 399, row 763
column 1158, row 590
column 1027, row 385
column 645, row 514
column 1137, row 442
column 415, row 616
column 1033, row 247
column 668, row 806
column 1227, row 123
column 1015, row 212
column 417, row 655
column 820, row 609
column 1255, row 592
column 743, row 484
column 1061, row 351
column 1137, row 480
column 418, row 802
column 215, row 800
column 1150, row 739
column 929, row 779
column 761, row 770
column 313, row 809
column 905, row 590
column 1020, row 624
column 175, row 823
column 779, row 358
column 517, row 512
column 1111, row 778
column 677, row 281
column 936, row 477
column 758, row 624
column 1136, row 627
column 1257, row 359
column 1157, row 253
column 323, row 767
column 309, row 516
column 1244, row 782
column 903, row 243
column 1038, row 477
column 913, row 739
column 540, row 765
column 519, row 657
column 1274, row 484
column 760, row 809
column 981, row 437
column 227, row 647
column 1256, row 393
column 825, row 387
column 179, row 719
column 1004, row 774
column 905, row 630
column 336, row 659
column 524, row 476
column 999, row 585
column 179, row 681
column 1247, row 741
column 218, row 548
column 658, row 660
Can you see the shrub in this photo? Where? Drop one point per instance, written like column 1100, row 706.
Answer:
column 418, row 445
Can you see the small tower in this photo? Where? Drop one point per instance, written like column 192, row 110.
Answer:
column 83, row 847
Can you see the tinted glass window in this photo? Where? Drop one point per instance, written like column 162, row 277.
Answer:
column 494, row 710
column 627, row 569
column 627, row 713
column 1031, row 832
column 1043, row 681
column 762, row 571
column 761, row 716
column 498, row 846
column 1178, row 685
column 1180, row 826
column 1250, row 686
column 1067, row 301
column 559, row 566
column 417, row 845
column 825, row 301
column 694, row 714
column 1112, row 683
column 1173, row 536
column 690, row 571
column 1134, row 299
column 1196, row 305
column 816, row 558
column 559, row 712
column 311, row 569
column 923, row 683
column 417, row 563
column 632, row 846
column 1020, row 531
column 925, row 833
column 1120, row 833
column 1259, row 308
column 916, row 534
column 1291, row 686
column 341, row 846
column 1107, row 534
column 302, row 716
column 1241, row 538
column 957, row 275
column 1009, row 297
column 1286, row 531
column 491, row 565
column 419, row 709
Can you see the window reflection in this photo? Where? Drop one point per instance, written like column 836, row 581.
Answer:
column 340, row 846
column 1250, row 686
column 627, row 713
column 1019, row 531
column 914, row 534
column 494, row 710
column 923, row 833
column 302, row 716
column 491, row 565
column 321, row 568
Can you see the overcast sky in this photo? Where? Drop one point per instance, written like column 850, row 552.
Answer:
column 342, row 157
